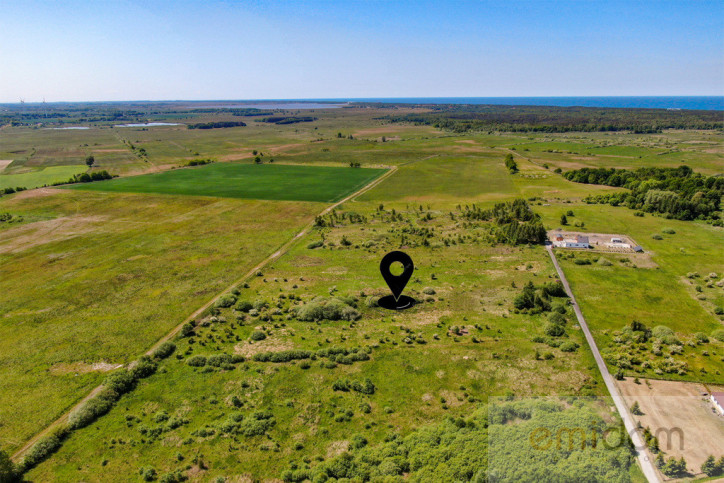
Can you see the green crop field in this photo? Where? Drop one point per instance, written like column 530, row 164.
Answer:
column 295, row 372
column 249, row 181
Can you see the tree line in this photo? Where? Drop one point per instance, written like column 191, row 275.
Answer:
column 675, row 192
column 216, row 125
column 464, row 118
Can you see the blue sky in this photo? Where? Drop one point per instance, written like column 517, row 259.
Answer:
column 125, row 50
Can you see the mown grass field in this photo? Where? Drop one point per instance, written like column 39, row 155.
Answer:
column 98, row 273
column 249, row 181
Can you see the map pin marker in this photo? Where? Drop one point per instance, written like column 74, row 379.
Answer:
column 397, row 283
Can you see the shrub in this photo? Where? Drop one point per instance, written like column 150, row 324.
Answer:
column 143, row 368
column 557, row 318
column 428, row 291
column 148, row 473
column 326, row 308
column 225, row 301
column 196, row 361
column 668, row 231
column 121, row 382
column 258, row 335
column 187, row 329
column 42, row 449
column 554, row 330
column 718, row 334
column 657, row 237
column 217, row 360
column 89, row 412
column 568, row 346
column 664, row 334
column 315, row 244
column 604, row 262
column 164, row 350
column 582, row 261
column 257, row 424
column 701, row 337
column 244, row 306
column 260, row 304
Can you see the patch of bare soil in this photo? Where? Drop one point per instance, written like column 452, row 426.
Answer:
column 387, row 130
column 21, row 238
column 681, row 415
column 36, row 193
column 336, row 448
column 4, row 163
column 82, row 368
column 267, row 345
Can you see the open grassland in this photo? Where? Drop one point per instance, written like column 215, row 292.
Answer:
column 40, row 177
column 613, row 295
column 97, row 278
column 250, row 181
column 92, row 279
column 444, row 357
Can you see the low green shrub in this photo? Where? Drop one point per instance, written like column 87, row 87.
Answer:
column 258, row 335
column 568, row 346
column 225, row 301
column 196, row 361
column 326, row 308
column 164, row 350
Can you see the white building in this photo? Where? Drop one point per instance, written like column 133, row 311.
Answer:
column 717, row 398
column 580, row 241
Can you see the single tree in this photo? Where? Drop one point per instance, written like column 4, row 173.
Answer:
column 564, row 220
column 90, row 160
column 636, row 409
column 511, row 164
column 710, row 468
column 257, row 160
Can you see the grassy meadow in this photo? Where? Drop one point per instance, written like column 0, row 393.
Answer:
column 94, row 275
column 96, row 278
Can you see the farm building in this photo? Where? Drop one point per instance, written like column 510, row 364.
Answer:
column 617, row 242
column 580, row 241
column 717, row 398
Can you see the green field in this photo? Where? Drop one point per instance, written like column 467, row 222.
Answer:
column 246, row 181
column 97, row 278
column 40, row 177
column 94, row 274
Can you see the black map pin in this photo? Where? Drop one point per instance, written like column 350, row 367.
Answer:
column 397, row 283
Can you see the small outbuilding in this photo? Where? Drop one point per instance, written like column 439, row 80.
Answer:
column 717, row 398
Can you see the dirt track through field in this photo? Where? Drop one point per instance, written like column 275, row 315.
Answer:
column 274, row 256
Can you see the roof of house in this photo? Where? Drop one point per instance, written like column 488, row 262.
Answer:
column 638, row 248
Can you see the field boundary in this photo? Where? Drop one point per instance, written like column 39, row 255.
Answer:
column 284, row 248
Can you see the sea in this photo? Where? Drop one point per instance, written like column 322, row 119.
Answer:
column 715, row 103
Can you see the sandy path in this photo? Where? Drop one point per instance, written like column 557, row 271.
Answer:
column 4, row 163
